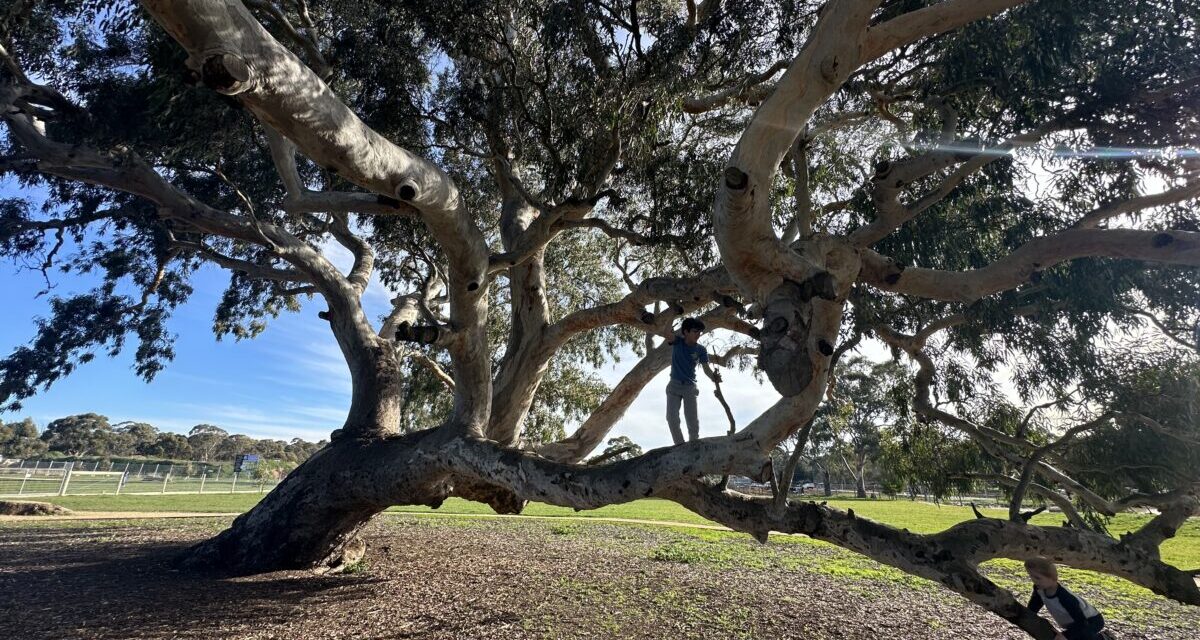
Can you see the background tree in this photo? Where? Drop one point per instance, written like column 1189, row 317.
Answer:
column 136, row 438
column 20, row 439
column 80, row 435
column 204, row 440
column 172, row 446
column 234, row 445
column 869, row 398
column 947, row 177
column 618, row 448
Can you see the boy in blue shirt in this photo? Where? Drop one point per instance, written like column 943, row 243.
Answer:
column 686, row 352
column 1079, row 620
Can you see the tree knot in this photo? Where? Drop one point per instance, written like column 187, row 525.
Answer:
column 226, row 73
column 736, row 179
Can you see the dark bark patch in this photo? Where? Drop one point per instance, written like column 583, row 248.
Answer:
column 406, row 192
column 223, row 72
column 892, row 278
column 736, row 179
column 1163, row 239
column 825, row 348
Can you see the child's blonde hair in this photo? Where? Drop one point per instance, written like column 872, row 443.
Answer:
column 1042, row 567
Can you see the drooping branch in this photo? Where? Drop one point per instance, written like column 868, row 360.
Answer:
column 250, row 269
column 748, row 90
column 1170, row 333
column 373, row 406
column 951, row 557
column 1034, row 457
column 996, row 443
column 1141, row 203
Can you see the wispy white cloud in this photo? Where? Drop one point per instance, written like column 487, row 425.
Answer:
column 311, row 422
column 377, row 299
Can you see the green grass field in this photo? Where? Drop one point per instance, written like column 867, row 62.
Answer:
column 921, row 517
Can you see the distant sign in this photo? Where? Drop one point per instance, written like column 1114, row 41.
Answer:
column 245, row 462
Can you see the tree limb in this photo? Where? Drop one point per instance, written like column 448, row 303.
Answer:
column 1168, row 247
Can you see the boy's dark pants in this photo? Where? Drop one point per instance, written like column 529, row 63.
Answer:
column 1090, row 631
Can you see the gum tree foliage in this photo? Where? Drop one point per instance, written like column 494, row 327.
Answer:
column 620, row 448
column 986, row 186
column 86, row 434
column 20, row 439
column 205, row 439
column 868, row 400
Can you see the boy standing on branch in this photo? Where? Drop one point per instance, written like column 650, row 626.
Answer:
column 686, row 352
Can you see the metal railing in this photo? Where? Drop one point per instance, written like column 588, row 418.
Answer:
column 55, row 478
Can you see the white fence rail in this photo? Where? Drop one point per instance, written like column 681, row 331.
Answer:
column 38, row 478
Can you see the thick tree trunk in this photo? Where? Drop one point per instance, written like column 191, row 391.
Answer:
column 825, row 481
column 860, row 480
column 312, row 519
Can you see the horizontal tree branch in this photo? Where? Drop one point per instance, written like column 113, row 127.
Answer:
column 1167, row 247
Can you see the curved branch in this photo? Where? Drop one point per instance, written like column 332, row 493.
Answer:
column 939, row 18
column 236, row 56
column 1168, row 247
column 952, row 556
column 746, row 91
column 1172, row 196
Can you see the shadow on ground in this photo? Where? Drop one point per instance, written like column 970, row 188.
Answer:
column 450, row 578
column 116, row 583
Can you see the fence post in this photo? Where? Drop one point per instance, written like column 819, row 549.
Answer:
column 233, row 487
column 62, row 489
column 140, row 467
column 203, row 476
column 121, row 482
column 165, row 478
column 23, row 481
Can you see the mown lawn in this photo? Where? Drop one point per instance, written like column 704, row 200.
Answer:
column 921, row 517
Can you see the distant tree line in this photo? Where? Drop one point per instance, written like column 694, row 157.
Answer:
column 92, row 435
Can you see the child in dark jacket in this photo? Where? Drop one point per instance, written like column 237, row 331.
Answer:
column 1079, row 620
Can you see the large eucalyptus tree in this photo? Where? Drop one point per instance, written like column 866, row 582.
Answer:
column 550, row 182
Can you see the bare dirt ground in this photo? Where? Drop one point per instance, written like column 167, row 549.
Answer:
column 466, row 578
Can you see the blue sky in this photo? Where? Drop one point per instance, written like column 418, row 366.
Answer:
column 291, row 382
